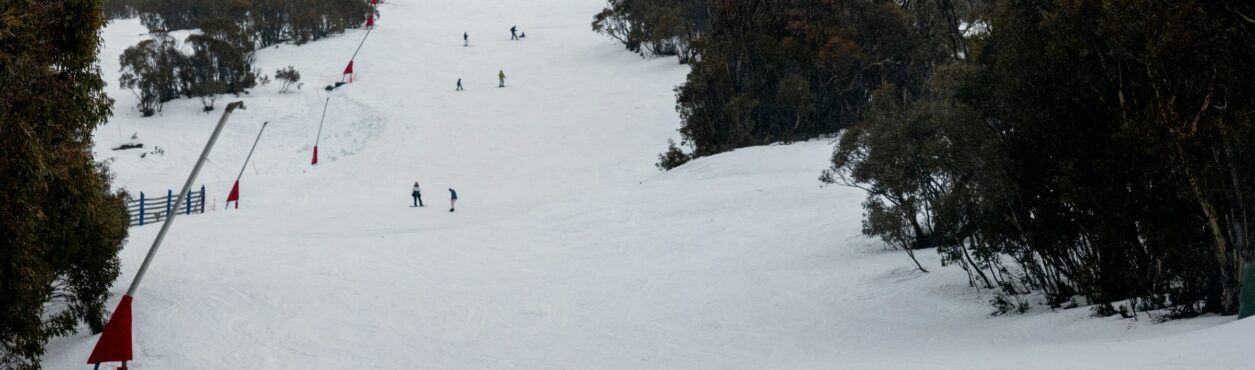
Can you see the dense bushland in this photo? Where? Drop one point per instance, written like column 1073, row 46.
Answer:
column 61, row 226
column 1096, row 152
column 1093, row 152
column 157, row 70
column 767, row 71
column 265, row 22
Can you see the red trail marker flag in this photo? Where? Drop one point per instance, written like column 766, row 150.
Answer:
column 235, row 194
column 115, row 343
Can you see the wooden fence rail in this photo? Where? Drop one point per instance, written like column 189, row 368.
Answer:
column 147, row 210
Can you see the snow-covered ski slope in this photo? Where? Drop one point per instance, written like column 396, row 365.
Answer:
column 568, row 250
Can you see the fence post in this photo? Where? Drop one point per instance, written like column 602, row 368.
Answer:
column 169, row 201
column 202, row 199
column 141, row 208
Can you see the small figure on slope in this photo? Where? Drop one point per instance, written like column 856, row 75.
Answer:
column 466, row 41
column 418, row 195
column 459, row 84
column 522, row 35
column 514, row 32
column 501, row 78
column 453, row 199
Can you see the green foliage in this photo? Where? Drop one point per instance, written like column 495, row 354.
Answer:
column 61, row 226
column 288, row 76
column 218, row 60
column 148, row 70
column 264, row 22
column 118, row 9
column 767, row 71
column 672, row 158
column 656, row 27
column 1088, row 148
column 157, row 72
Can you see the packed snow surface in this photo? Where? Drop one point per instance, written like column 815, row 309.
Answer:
column 568, row 249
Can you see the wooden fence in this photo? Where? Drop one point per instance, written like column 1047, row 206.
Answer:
column 147, row 210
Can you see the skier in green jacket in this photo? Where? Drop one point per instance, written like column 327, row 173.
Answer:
column 501, row 77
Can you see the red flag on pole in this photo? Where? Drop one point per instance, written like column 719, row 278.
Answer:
column 315, row 155
column 235, row 194
column 370, row 20
column 115, row 342
column 349, row 69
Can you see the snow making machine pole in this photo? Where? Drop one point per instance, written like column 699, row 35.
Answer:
column 234, row 195
column 348, row 70
column 318, row 137
column 114, row 344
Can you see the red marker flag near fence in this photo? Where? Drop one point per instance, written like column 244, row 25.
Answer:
column 115, row 343
column 235, row 195
column 315, row 161
column 370, row 20
column 374, row 2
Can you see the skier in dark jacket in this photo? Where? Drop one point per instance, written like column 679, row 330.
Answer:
column 418, row 195
column 466, row 39
column 453, row 199
column 514, row 32
column 459, row 84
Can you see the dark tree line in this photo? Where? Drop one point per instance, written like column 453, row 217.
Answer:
column 61, row 226
column 118, row 9
column 264, row 22
column 656, row 27
column 1094, row 152
column 767, row 70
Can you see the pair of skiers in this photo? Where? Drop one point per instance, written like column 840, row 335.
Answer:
column 500, row 79
column 417, row 194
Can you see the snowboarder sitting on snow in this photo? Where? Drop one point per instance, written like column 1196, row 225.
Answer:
column 514, row 35
column 501, row 77
column 418, row 195
column 459, row 84
column 453, row 199
column 522, row 35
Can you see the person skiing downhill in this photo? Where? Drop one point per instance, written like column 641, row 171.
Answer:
column 514, row 32
column 453, row 199
column 459, row 84
column 418, row 195
column 501, row 77
column 466, row 39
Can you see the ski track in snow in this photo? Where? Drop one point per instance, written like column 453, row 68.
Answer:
column 568, row 249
